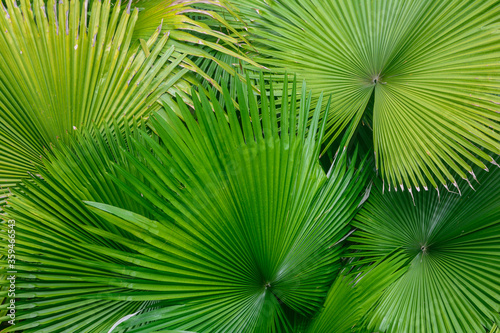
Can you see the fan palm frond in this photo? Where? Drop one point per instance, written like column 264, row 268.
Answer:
column 353, row 293
column 250, row 211
column 431, row 68
column 452, row 248
column 237, row 224
column 198, row 28
column 62, row 70
column 53, row 243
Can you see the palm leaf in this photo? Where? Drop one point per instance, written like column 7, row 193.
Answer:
column 197, row 28
column 250, row 218
column 188, row 19
column 52, row 237
column 452, row 254
column 352, row 295
column 431, row 68
column 236, row 224
column 61, row 70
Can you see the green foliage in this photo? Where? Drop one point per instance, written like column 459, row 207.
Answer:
column 238, row 224
column 194, row 22
column 353, row 294
column 452, row 254
column 147, row 205
column 64, row 67
column 54, row 244
column 199, row 29
column 62, row 70
column 251, row 219
column 431, row 66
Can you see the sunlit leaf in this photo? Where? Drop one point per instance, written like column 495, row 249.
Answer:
column 64, row 69
column 431, row 67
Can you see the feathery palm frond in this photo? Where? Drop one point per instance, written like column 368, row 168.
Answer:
column 61, row 70
column 431, row 67
column 452, row 249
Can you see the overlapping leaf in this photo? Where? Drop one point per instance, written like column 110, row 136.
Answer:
column 53, row 244
column 197, row 28
column 353, row 294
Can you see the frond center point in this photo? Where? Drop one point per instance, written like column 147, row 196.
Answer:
column 377, row 79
